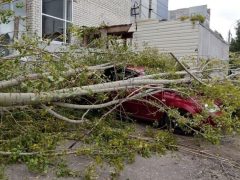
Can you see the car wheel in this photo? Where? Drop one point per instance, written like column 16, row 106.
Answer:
column 168, row 123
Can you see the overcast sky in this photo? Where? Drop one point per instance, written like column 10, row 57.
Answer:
column 224, row 13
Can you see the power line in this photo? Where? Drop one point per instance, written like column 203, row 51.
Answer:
column 151, row 10
column 134, row 13
column 159, row 2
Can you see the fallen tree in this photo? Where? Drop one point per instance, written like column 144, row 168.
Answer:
column 38, row 88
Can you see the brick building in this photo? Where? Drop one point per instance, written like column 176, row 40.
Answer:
column 51, row 18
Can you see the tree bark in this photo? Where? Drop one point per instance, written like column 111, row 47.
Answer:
column 13, row 99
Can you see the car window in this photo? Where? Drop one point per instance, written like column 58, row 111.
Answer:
column 116, row 74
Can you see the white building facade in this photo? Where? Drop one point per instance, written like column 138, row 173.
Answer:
column 51, row 18
column 183, row 38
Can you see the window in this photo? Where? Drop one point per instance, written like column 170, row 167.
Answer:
column 56, row 19
column 17, row 24
column 120, row 73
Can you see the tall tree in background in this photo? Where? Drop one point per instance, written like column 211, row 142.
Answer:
column 235, row 43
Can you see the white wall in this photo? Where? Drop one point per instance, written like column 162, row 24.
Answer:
column 85, row 13
column 34, row 16
column 178, row 37
column 181, row 38
column 211, row 46
column 97, row 12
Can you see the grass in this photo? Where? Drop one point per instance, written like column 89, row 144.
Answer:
column 2, row 174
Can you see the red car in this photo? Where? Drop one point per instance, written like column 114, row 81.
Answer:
column 142, row 109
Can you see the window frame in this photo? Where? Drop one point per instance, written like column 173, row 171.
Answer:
column 65, row 21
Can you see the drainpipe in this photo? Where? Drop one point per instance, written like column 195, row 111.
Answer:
column 150, row 9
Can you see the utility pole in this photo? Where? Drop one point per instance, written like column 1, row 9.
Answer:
column 229, row 36
column 140, row 9
column 135, row 12
column 150, row 9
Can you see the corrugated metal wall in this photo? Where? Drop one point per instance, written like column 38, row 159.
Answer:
column 211, row 46
column 178, row 37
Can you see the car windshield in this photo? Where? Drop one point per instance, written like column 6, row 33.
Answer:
column 115, row 74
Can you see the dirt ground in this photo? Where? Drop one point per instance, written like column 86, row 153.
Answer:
column 195, row 160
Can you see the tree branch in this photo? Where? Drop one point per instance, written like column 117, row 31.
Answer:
column 189, row 72
column 10, row 99
column 20, row 79
column 53, row 113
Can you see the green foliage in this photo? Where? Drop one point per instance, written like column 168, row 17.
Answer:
column 90, row 172
column 183, row 18
column 200, row 18
column 196, row 18
column 62, row 170
column 103, row 139
column 234, row 60
column 2, row 174
column 111, row 142
column 5, row 14
column 235, row 43
column 228, row 122
column 31, row 139
column 151, row 59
